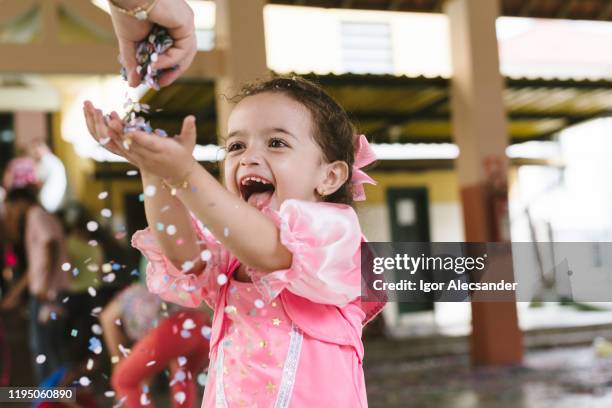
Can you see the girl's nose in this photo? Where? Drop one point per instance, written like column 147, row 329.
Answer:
column 251, row 156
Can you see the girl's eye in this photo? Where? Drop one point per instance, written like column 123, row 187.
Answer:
column 234, row 146
column 277, row 143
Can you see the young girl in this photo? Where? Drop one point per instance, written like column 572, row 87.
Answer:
column 279, row 259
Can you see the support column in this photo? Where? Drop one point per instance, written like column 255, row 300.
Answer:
column 239, row 33
column 480, row 130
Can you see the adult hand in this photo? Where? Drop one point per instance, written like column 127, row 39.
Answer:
column 177, row 17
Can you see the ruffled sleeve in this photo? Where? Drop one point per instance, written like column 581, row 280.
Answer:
column 184, row 288
column 324, row 240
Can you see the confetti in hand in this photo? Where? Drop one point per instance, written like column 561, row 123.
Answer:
column 148, row 51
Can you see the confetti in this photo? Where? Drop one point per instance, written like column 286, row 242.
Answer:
column 109, row 278
column 106, row 268
column 187, row 265
column 92, row 226
column 150, row 190
column 114, row 359
column 180, row 376
column 182, row 360
column 205, row 255
column 96, row 310
column 120, row 402
column 41, row 358
column 124, row 350
column 103, row 195
column 66, row 266
column 92, row 291
column 74, row 333
column 180, row 397
column 84, row 381
column 89, row 364
column 131, row 173
column 109, row 394
column 151, row 363
column 225, row 232
column 170, row 229
column 93, row 268
column 75, row 272
column 222, row 279
column 95, row 346
column 206, row 331
column 93, row 243
column 96, row 329
column 160, row 226
column 202, row 379
column 144, row 400
column 106, row 213
column 118, row 322
column 189, row 324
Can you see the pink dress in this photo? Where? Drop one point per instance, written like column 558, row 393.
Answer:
column 262, row 358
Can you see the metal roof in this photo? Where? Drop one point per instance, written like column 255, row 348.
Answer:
column 391, row 109
column 569, row 9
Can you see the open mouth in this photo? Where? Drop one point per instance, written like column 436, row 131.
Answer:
column 256, row 190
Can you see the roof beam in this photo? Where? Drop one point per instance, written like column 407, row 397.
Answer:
column 606, row 11
column 346, row 4
column 12, row 9
column 395, row 5
column 88, row 14
column 565, row 8
column 439, row 6
column 527, row 8
column 88, row 59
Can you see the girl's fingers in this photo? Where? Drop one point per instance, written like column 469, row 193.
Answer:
column 89, row 123
column 145, row 141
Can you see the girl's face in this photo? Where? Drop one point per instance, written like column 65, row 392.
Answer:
column 271, row 155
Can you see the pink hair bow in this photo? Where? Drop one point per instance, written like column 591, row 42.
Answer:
column 364, row 155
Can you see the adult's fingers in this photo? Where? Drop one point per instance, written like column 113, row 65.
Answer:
column 127, row 49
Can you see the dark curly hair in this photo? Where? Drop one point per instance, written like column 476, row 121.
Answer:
column 333, row 130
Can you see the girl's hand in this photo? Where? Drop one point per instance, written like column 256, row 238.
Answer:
column 108, row 132
column 170, row 158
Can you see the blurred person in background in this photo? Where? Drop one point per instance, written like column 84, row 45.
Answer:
column 41, row 236
column 163, row 336
column 51, row 173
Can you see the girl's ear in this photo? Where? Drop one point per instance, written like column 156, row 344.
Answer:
column 336, row 174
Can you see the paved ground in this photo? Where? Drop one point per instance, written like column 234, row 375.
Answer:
column 567, row 377
column 559, row 378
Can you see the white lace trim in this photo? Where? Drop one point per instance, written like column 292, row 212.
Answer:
column 220, row 401
column 289, row 369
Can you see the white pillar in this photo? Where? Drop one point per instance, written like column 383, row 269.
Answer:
column 240, row 34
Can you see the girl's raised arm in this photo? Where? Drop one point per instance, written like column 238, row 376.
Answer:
column 170, row 223
column 167, row 216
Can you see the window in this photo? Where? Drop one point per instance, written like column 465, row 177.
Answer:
column 366, row 47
